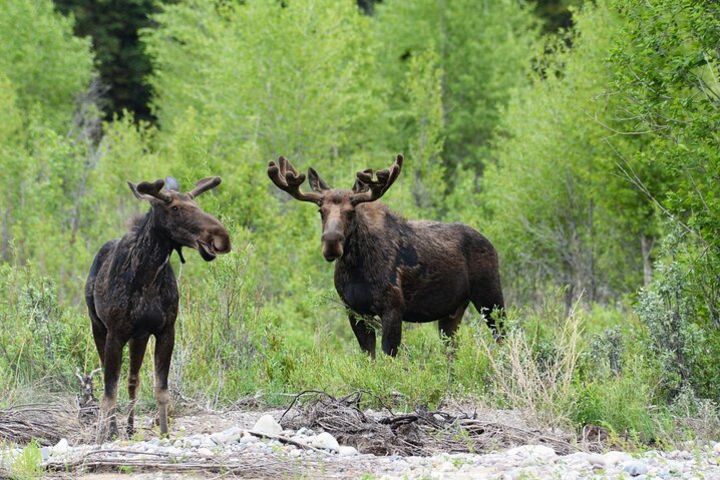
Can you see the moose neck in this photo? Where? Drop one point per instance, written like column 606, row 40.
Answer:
column 151, row 248
column 368, row 237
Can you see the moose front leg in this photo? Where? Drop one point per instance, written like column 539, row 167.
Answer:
column 391, row 331
column 107, row 426
column 364, row 333
column 137, row 353
column 163, row 353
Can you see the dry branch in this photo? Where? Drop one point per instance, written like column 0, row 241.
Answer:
column 44, row 423
column 419, row 433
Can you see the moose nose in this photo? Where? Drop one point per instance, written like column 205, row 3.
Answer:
column 332, row 245
column 333, row 237
column 221, row 243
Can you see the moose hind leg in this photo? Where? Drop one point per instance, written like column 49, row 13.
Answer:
column 163, row 353
column 364, row 333
column 137, row 353
column 112, row 364
column 99, row 335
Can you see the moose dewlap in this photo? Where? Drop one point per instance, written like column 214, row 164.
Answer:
column 398, row 270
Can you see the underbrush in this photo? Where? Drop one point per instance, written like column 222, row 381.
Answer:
column 241, row 333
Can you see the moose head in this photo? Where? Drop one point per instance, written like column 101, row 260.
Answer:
column 336, row 206
column 178, row 216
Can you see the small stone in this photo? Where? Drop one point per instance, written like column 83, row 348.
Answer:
column 61, row 447
column 347, row 451
column 596, row 460
column 230, row 435
column 306, row 432
column 716, row 448
column 247, row 438
column 205, row 452
column 533, row 451
column 614, row 457
column 44, row 453
column 635, row 468
column 324, row 441
column 267, row 425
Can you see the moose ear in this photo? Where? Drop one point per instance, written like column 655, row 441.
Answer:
column 316, row 183
column 172, row 184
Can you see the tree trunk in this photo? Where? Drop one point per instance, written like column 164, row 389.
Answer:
column 646, row 244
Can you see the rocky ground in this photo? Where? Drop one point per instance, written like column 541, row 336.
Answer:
column 254, row 445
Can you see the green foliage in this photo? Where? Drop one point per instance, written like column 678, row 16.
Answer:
column 683, row 337
column 27, row 465
column 42, row 61
column 484, row 50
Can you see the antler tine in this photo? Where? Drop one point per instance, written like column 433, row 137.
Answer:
column 287, row 178
column 377, row 188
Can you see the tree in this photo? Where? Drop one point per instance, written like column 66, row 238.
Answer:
column 123, row 65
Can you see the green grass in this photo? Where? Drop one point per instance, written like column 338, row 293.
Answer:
column 237, row 337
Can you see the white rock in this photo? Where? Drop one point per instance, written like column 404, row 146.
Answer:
column 635, row 468
column 44, row 454
column 347, row 451
column 614, row 457
column 596, row 460
column 534, row 451
column 247, row 438
column 716, row 448
column 324, row 441
column 267, row 425
column 230, row 435
column 205, row 452
column 61, row 447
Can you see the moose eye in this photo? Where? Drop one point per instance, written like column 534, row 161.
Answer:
column 175, row 208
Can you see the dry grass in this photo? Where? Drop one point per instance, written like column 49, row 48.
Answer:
column 542, row 389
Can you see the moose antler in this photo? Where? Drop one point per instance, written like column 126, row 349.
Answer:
column 204, row 185
column 287, row 178
column 368, row 190
column 147, row 190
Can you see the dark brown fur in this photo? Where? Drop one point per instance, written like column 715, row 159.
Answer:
column 398, row 270
column 131, row 292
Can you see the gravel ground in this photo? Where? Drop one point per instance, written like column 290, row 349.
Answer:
column 253, row 445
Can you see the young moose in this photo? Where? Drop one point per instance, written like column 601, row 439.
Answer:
column 131, row 292
column 413, row 271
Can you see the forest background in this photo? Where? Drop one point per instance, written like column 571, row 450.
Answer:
column 580, row 137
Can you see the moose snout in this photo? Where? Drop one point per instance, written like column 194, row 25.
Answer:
column 220, row 241
column 332, row 245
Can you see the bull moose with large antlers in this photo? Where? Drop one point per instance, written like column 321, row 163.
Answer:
column 131, row 291
column 413, row 271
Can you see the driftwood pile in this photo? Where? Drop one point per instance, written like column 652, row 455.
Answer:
column 44, row 423
column 420, row 433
